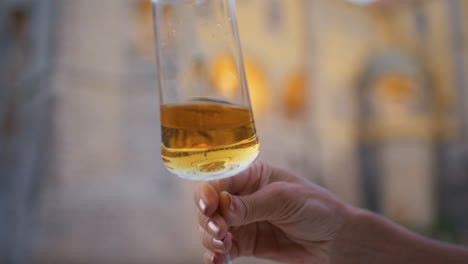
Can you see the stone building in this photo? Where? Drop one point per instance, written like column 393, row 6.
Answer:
column 26, row 96
column 368, row 101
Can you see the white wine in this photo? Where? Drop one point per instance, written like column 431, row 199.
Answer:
column 207, row 141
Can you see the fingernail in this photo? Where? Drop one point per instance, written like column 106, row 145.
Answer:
column 202, row 205
column 219, row 244
column 231, row 204
column 213, row 258
column 214, row 229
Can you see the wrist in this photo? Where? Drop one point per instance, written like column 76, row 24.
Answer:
column 370, row 238
column 349, row 245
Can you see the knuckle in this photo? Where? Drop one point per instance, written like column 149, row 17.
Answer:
column 287, row 197
column 202, row 220
column 245, row 208
column 281, row 190
column 206, row 240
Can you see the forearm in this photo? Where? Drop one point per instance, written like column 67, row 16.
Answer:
column 369, row 238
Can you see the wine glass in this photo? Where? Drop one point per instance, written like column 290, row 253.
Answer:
column 208, row 130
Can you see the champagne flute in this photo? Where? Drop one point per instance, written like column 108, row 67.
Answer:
column 207, row 125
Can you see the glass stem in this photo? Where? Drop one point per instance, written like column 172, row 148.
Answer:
column 227, row 258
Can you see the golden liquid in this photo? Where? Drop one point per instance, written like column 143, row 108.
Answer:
column 207, row 141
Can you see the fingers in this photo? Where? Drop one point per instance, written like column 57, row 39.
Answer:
column 206, row 198
column 214, row 225
column 214, row 244
column 212, row 258
column 273, row 202
column 248, row 181
column 260, row 193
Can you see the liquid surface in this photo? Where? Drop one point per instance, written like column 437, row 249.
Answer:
column 207, row 141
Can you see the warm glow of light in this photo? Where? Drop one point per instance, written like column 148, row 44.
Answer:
column 225, row 79
column 396, row 88
column 294, row 98
column 144, row 5
column 258, row 87
column 224, row 75
column 144, row 29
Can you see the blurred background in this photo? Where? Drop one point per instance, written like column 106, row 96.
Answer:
column 369, row 101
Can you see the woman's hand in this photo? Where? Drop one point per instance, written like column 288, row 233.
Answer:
column 268, row 213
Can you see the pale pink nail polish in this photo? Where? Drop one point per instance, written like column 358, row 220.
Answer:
column 214, row 229
column 219, row 244
column 202, row 205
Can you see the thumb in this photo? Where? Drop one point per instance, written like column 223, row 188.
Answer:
column 271, row 203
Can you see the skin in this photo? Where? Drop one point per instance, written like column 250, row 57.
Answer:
column 270, row 213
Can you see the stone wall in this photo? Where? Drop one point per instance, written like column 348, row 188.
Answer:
column 26, row 99
column 106, row 196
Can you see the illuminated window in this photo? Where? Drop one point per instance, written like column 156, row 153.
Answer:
column 225, row 79
column 144, row 29
column 224, row 75
column 295, row 95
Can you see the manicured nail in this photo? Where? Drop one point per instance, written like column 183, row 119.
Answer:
column 231, row 204
column 219, row 244
column 214, row 229
column 202, row 205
